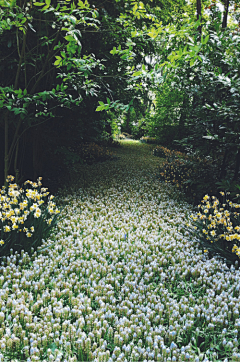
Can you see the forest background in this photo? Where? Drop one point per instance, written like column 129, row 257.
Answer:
column 74, row 72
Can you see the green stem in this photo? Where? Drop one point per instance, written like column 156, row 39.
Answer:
column 6, row 148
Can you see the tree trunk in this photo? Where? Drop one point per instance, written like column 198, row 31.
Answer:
column 199, row 14
column 235, row 177
column 225, row 14
column 223, row 166
column 128, row 119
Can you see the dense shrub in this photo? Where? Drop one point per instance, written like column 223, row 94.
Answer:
column 92, row 152
column 27, row 216
column 121, row 137
column 167, row 134
column 165, row 152
column 193, row 175
column 109, row 142
column 151, row 140
column 86, row 153
column 217, row 225
column 127, row 135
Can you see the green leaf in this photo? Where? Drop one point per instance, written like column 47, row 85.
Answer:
column 69, row 38
column 108, row 100
column 114, row 51
column 206, row 39
column 38, row 4
column 53, row 346
column 139, row 72
column 31, row 27
column 58, row 61
column 192, row 61
column 100, row 108
column 48, row 2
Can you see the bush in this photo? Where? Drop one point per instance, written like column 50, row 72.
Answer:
column 150, row 140
column 27, row 216
column 109, row 142
column 121, row 137
column 167, row 134
column 217, row 226
column 92, row 152
column 165, row 152
column 193, row 175
column 127, row 135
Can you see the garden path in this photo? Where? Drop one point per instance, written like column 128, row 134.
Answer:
column 123, row 281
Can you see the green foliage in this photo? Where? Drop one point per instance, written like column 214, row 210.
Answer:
column 217, row 226
column 189, row 173
column 86, row 153
column 92, row 152
column 27, row 216
column 206, row 100
column 68, row 155
column 150, row 140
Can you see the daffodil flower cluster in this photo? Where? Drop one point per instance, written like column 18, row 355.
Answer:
column 23, row 211
column 219, row 222
column 123, row 281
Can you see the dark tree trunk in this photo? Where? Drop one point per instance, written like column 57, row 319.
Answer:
column 199, row 14
column 235, row 177
column 225, row 14
column 223, row 171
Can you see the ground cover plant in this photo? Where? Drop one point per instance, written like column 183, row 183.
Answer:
column 123, row 280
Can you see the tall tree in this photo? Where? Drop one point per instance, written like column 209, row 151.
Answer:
column 225, row 14
column 199, row 14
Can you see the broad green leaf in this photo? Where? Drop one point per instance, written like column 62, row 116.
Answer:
column 206, row 39
column 139, row 72
column 192, row 61
column 113, row 51
column 38, row 4
column 69, row 38
column 100, row 108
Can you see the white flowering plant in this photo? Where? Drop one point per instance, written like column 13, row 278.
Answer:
column 27, row 215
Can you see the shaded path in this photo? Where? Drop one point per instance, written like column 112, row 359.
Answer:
column 122, row 282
